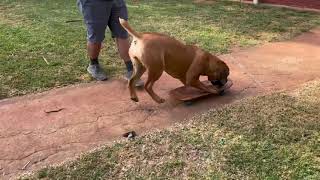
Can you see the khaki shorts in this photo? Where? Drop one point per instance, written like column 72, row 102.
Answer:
column 100, row 14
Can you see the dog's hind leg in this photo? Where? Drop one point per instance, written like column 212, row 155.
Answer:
column 152, row 78
column 139, row 69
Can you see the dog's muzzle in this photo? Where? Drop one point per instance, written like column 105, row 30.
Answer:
column 218, row 83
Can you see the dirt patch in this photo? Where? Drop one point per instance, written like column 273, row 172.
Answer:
column 8, row 18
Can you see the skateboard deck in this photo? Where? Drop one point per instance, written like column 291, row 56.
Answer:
column 184, row 93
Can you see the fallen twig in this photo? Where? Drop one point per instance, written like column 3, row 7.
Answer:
column 25, row 166
column 75, row 20
column 54, row 111
column 45, row 60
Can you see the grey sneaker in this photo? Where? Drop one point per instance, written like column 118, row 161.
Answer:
column 97, row 72
column 139, row 82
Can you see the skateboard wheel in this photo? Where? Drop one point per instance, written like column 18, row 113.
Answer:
column 188, row 103
column 221, row 93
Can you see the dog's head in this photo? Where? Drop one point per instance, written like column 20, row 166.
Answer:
column 217, row 72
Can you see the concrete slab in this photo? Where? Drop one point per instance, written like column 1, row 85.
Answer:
column 43, row 129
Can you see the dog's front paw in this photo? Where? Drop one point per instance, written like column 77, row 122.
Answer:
column 160, row 100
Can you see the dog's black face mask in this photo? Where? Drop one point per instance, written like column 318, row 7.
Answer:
column 218, row 83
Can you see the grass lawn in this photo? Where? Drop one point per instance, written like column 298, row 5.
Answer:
column 268, row 137
column 33, row 31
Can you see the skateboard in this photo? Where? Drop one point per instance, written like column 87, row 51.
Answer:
column 189, row 94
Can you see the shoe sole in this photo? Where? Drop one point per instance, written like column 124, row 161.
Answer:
column 98, row 79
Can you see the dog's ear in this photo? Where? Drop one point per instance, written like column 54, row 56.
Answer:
column 215, row 67
column 219, row 70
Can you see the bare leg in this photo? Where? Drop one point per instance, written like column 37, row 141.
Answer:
column 123, row 48
column 94, row 68
column 93, row 50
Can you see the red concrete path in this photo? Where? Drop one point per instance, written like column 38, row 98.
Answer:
column 94, row 114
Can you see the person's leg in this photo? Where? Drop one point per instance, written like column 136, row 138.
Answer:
column 96, row 15
column 121, row 36
column 93, row 52
column 123, row 45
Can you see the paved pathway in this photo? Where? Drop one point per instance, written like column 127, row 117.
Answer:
column 47, row 128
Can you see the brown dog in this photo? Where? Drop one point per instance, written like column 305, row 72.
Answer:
column 156, row 53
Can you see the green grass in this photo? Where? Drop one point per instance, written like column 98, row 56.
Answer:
column 32, row 30
column 275, row 136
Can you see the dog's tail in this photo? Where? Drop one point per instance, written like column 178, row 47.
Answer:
column 128, row 28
